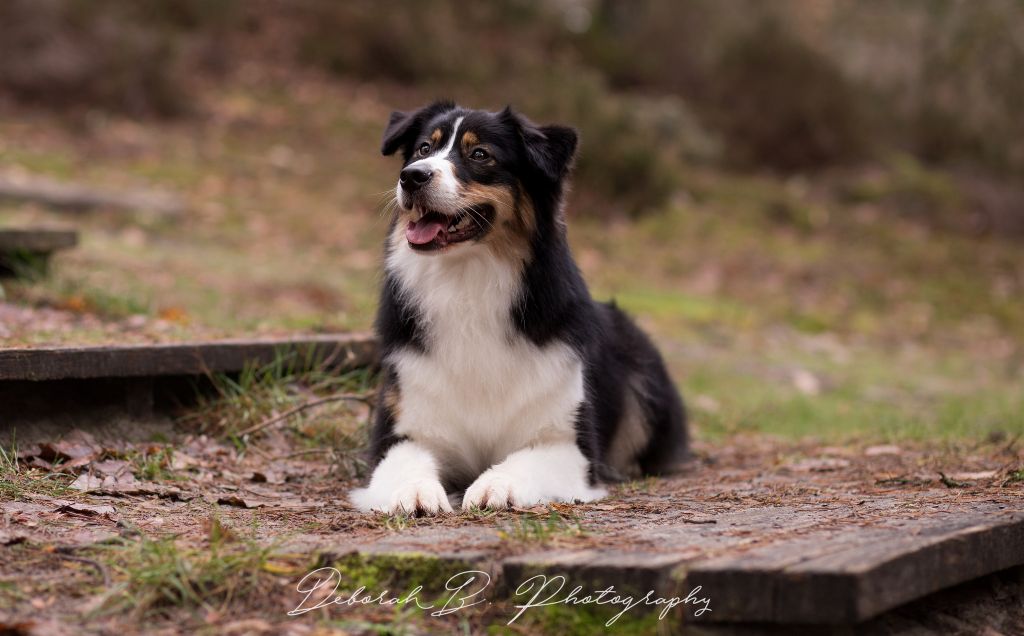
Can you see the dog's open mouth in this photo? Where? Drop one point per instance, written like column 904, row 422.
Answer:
column 434, row 230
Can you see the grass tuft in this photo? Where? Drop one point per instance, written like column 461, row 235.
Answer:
column 240, row 405
column 530, row 528
column 155, row 575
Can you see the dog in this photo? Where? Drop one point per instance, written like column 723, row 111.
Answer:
column 501, row 378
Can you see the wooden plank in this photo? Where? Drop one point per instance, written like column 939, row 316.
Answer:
column 78, row 197
column 193, row 358
column 862, row 573
column 39, row 241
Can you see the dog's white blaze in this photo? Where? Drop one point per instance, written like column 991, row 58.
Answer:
column 444, row 194
column 484, row 397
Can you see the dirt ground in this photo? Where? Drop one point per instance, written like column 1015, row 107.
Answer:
column 197, row 533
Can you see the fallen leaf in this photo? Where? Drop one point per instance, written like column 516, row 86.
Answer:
column 266, row 476
column 31, row 450
column 112, row 467
column 122, row 483
column 241, row 502
column 39, row 462
column 87, row 510
column 75, row 445
column 174, row 314
column 181, row 461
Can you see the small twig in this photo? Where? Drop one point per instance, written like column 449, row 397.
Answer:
column 255, row 428
column 951, row 483
column 308, row 451
column 700, row 521
column 102, row 569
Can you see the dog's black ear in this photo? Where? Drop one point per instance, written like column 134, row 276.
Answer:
column 403, row 128
column 549, row 148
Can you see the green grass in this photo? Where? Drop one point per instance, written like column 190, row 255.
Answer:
column 19, row 482
column 153, row 575
column 868, row 396
column 154, row 464
column 292, row 381
column 530, row 528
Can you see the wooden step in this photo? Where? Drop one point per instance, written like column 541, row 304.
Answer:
column 189, row 358
column 40, row 241
column 26, row 252
column 768, row 566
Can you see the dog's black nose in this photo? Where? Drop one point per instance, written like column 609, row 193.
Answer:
column 413, row 179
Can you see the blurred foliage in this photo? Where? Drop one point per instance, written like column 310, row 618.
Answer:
column 132, row 57
column 654, row 86
column 780, row 103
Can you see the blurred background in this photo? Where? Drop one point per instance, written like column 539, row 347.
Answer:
column 816, row 206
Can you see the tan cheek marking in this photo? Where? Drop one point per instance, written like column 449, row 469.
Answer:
column 513, row 220
column 435, row 137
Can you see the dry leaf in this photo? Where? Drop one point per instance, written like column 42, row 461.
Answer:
column 86, row 510
column 75, row 445
column 112, row 467
column 266, row 476
column 241, row 502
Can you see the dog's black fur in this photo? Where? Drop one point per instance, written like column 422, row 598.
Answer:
column 555, row 305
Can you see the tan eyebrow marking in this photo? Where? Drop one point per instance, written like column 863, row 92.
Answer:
column 469, row 139
column 436, row 136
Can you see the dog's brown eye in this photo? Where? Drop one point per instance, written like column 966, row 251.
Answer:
column 479, row 154
column 423, row 149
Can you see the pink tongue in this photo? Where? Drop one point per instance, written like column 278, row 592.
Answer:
column 423, row 231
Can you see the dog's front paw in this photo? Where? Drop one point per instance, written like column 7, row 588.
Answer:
column 498, row 490
column 426, row 497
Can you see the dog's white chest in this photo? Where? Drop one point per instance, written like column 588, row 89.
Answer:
column 481, row 391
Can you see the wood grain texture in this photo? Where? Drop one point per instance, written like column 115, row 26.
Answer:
column 824, row 577
column 859, row 574
column 195, row 358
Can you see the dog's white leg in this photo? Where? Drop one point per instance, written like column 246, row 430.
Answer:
column 541, row 474
column 406, row 480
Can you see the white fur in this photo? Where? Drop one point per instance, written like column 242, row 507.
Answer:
column 532, row 476
column 406, row 480
column 443, row 195
column 485, row 402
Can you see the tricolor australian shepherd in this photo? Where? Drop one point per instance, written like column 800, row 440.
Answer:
column 503, row 381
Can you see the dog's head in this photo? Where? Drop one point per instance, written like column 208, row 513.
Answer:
column 474, row 177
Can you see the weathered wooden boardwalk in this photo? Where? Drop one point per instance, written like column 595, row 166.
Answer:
column 48, row 390
column 187, row 358
column 782, row 565
column 813, row 537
